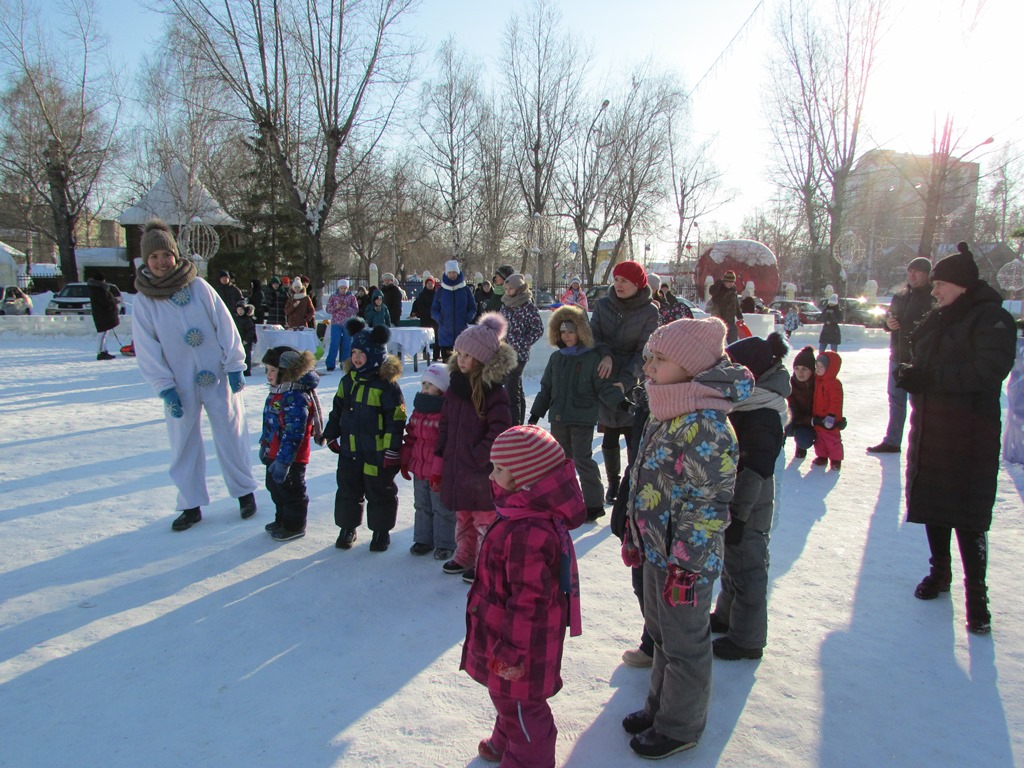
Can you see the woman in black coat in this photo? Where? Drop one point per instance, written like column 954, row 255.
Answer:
column 256, row 300
column 421, row 309
column 105, row 309
column 962, row 351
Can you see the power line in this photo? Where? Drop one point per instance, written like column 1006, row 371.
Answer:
column 726, row 49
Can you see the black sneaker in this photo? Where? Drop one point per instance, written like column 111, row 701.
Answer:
column 421, row 549
column 271, row 527
column 469, row 575
column 654, row 745
column 104, row 355
column 726, row 649
column 247, row 506
column 283, row 534
column 637, row 722
column 380, row 542
column 187, row 519
column 346, row 538
column 452, row 568
column 884, row 448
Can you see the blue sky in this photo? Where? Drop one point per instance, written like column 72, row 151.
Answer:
column 930, row 60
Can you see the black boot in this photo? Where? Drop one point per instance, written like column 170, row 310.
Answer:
column 613, row 470
column 187, row 519
column 937, row 580
column 247, row 506
column 979, row 620
column 593, row 513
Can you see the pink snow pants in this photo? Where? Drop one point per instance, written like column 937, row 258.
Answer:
column 828, row 443
column 524, row 733
column 470, row 528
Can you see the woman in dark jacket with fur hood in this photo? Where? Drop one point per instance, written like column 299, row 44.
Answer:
column 962, row 352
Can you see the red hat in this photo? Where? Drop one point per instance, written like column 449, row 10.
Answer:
column 528, row 452
column 631, row 271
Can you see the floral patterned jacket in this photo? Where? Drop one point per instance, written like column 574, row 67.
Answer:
column 682, row 480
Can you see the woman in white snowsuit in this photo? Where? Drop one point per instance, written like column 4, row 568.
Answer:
column 190, row 353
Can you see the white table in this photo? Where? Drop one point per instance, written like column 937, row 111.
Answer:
column 412, row 341
column 270, row 336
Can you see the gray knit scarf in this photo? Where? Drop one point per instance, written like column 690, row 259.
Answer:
column 184, row 272
column 523, row 297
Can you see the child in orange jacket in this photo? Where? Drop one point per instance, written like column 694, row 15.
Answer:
column 828, row 411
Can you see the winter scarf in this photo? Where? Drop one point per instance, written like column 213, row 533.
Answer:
column 574, row 350
column 671, row 400
column 525, row 296
column 425, row 403
column 184, row 272
column 764, row 398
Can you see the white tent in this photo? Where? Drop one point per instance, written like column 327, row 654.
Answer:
column 178, row 200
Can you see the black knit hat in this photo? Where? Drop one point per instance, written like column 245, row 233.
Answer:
column 805, row 357
column 757, row 354
column 920, row 264
column 504, row 272
column 958, row 269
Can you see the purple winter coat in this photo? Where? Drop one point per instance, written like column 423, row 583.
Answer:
column 465, row 438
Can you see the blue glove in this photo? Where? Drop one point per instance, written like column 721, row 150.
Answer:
column 172, row 403
column 235, row 381
column 278, row 471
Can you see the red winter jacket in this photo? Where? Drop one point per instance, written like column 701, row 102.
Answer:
column 526, row 589
column 828, row 390
column 421, row 433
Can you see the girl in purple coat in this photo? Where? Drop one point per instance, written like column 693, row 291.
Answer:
column 474, row 413
column 525, row 594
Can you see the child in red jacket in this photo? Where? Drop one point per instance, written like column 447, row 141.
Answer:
column 434, row 524
column 828, row 411
column 525, row 593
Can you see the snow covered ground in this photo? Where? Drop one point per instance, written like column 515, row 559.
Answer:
column 123, row 643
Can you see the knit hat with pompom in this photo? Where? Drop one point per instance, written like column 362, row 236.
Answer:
column 528, row 452
column 481, row 341
column 156, row 236
column 958, row 269
column 372, row 342
column 756, row 354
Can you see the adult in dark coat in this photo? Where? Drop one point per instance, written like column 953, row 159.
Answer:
column 363, row 298
column 724, row 303
column 454, row 307
column 227, row 290
column 274, row 299
column 831, row 317
column 622, row 321
column 105, row 309
column 259, row 315
column 392, row 297
column 907, row 308
column 962, row 351
column 421, row 309
column 497, row 289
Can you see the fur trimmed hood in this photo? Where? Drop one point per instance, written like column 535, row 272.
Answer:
column 495, row 371
column 296, row 366
column 390, row 370
column 573, row 315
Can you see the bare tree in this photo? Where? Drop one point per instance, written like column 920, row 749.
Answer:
column 495, row 192
column 306, row 75
column 449, row 124
column 543, row 72
column 1002, row 203
column 821, row 79
column 58, row 116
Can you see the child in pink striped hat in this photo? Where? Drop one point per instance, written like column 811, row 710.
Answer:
column 525, row 594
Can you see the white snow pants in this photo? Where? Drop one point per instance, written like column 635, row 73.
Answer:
column 226, row 412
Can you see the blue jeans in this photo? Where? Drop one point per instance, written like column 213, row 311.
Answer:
column 897, row 408
column 339, row 340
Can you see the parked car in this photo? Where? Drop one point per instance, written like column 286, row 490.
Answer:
column 73, row 299
column 15, row 301
column 597, row 292
column 805, row 310
column 858, row 311
column 543, row 299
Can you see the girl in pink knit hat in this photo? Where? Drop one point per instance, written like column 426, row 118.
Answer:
column 475, row 411
column 680, row 487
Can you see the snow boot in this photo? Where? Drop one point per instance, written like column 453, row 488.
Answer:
column 487, row 751
column 719, row 626
column 593, row 513
column 421, row 549
column 726, row 649
column 654, row 745
column 271, row 527
column 247, row 506
column 819, row 461
column 469, row 575
column 835, row 465
column 452, row 568
column 637, row 722
column 346, row 538
column 613, row 489
column 380, row 542
column 801, row 453
column 979, row 620
column 187, row 519
column 104, row 355
column 937, row 580
column 283, row 534
column 613, row 469
column 634, row 657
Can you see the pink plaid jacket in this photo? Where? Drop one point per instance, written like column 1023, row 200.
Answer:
column 526, row 583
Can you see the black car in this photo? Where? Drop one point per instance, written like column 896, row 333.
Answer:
column 861, row 312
